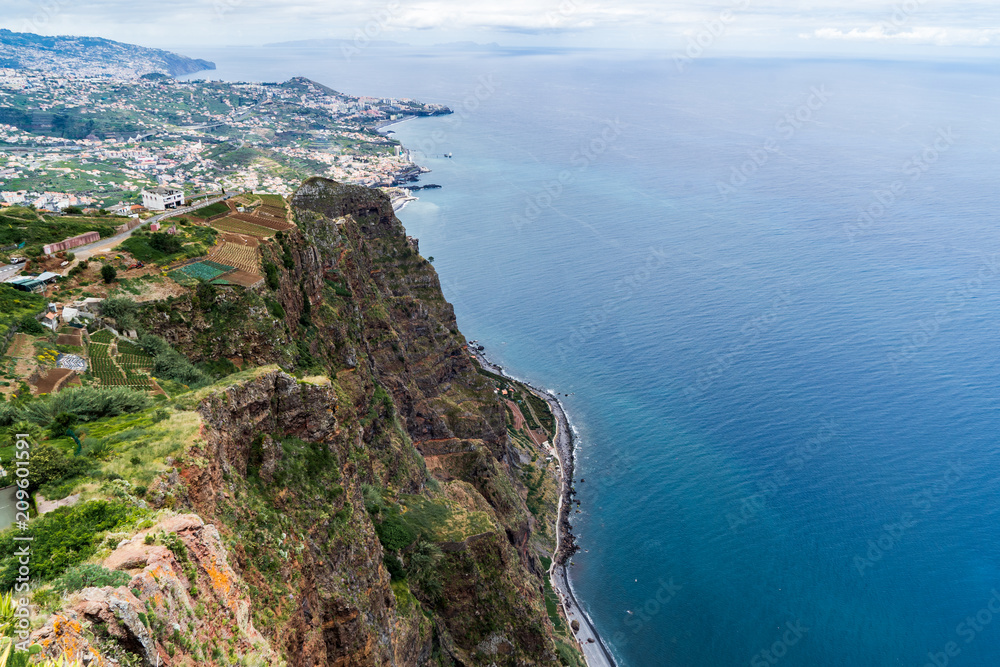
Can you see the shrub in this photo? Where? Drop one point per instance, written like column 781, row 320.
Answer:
column 271, row 275
column 393, row 533
column 85, row 403
column 170, row 364
column 122, row 310
column 30, row 326
column 50, row 464
column 87, row 575
column 63, row 538
column 108, row 273
column 168, row 244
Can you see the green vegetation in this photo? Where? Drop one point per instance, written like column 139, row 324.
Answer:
column 84, row 403
column 63, row 538
column 271, row 276
column 89, row 574
column 23, row 225
column 189, row 242
column 169, row 363
column 218, row 208
column 199, row 271
column 108, row 273
column 16, row 306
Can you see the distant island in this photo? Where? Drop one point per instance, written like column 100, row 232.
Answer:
column 90, row 56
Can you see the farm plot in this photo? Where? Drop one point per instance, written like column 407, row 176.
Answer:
column 275, row 201
column 237, row 255
column 205, row 270
column 230, row 224
column 103, row 336
column 116, row 370
column 276, row 223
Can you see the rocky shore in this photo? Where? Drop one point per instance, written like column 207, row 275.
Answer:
column 594, row 649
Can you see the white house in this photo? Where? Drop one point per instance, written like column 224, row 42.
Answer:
column 161, row 198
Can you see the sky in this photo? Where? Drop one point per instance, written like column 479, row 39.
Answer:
column 904, row 28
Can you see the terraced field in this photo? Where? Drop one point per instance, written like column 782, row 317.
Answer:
column 278, row 224
column 206, row 270
column 231, row 224
column 119, row 370
column 238, row 255
column 103, row 336
column 272, row 200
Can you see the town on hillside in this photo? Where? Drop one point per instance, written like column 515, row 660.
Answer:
column 116, row 183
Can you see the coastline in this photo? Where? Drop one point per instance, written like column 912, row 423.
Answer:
column 595, row 652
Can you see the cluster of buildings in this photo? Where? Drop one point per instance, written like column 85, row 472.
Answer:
column 181, row 134
column 44, row 201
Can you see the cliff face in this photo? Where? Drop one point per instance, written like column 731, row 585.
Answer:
column 369, row 511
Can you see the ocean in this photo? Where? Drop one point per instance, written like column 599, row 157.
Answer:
column 767, row 294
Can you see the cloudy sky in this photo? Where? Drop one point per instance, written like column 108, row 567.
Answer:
column 922, row 28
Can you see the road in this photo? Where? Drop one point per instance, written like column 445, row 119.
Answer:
column 104, row 245
column 8, row 271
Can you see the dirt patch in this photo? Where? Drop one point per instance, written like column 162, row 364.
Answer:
column 53, row 381
column 22, row 347
column 45, row 506
column 154, row 290
column 240, row 277
column 70, row 339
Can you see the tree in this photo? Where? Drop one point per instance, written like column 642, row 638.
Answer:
column 109, row 273
column 165, row 243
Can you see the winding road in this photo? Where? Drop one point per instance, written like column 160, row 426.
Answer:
column 104, row 245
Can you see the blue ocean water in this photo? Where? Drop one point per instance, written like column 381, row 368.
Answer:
column 770, row 290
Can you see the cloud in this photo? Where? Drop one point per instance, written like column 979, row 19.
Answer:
column 926, row 35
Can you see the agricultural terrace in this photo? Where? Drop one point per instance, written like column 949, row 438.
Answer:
column 235, row 226
column 206, row 270
column 118, row 363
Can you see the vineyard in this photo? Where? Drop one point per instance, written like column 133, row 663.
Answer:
column 277, row 223
column 103, row 336
column 122, row 364
column 230, row 224
column 275, row 201
column 238, row 255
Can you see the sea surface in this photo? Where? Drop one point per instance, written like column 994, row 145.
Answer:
column 770, row 292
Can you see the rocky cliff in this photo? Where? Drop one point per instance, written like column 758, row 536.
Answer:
column 352, row 497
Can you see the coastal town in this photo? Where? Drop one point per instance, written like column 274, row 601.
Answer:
column 152, row 254
column 163, row 182
column 87, row 140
